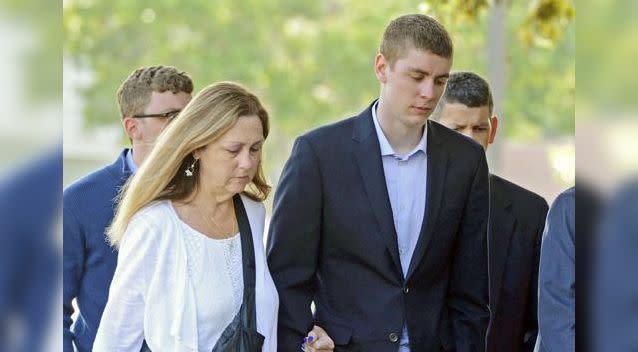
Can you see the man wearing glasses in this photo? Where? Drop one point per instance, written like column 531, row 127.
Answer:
column 148, row 100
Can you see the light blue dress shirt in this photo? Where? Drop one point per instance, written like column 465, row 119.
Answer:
column 406, row 179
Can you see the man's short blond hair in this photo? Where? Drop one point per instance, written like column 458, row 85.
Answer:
column 135, row 92
column 415, row 31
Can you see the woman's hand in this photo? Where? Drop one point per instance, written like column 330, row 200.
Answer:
column 317, row 341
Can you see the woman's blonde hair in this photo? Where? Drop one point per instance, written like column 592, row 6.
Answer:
column 211, row 113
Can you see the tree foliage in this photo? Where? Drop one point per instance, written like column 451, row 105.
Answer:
column 43, row 60
column 311, row 61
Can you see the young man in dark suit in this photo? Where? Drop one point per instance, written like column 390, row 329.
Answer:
column 517, row 218
column 380, row 219
column 148, row 99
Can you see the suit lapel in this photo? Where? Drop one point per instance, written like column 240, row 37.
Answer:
column 368, row 155
column 501, row 229
column 437, row 159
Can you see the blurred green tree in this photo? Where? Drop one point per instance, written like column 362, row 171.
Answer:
column 311, row 61
column 42, row 61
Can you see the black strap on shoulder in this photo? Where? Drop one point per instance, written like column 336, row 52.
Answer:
column 249, row 315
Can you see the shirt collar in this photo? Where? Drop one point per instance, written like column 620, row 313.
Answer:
column 130, row 162
column 384, row 144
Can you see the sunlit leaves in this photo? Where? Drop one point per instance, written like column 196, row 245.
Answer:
column 546, row 22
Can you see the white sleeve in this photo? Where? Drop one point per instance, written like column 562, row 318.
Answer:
column 122, row 324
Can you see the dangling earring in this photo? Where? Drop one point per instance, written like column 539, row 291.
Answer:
column 191, row 169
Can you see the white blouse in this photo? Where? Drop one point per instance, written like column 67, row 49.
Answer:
column 179, row 289
column 215, row 268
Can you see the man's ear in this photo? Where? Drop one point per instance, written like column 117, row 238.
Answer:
column 493, row 128
column 380, row 66
column 131, row 128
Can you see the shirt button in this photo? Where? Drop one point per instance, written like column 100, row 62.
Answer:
column 393, row 337
column 406, row 289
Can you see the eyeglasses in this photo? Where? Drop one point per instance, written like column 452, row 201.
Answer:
column 166, row 115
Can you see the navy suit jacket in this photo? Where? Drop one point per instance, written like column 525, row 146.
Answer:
column 89, row 261
column 517, row 219
column 332, row 241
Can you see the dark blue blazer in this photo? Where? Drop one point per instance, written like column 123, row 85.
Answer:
column 332, row 241
column 89, row 261
column 517, row 220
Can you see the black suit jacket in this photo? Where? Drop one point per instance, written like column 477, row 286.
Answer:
column 517, row 220
column 332, row 241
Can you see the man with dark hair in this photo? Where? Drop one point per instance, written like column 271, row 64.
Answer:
column 517, row 218
column 148, row 99
column 376, row 224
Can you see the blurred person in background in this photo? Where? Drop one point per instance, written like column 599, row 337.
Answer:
column 517, row 219
column 29, row 253
column 614, row 322
column 589, row 201
column 148, row 100
column 189, row 231
column 556, row 278
column 391, row 208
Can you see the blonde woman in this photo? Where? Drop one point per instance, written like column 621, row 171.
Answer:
column 181, row 228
